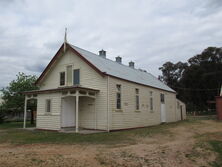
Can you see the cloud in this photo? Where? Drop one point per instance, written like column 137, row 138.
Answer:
column 35, row 67
column 149, row 32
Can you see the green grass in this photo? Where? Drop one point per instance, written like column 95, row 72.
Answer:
column 216, row 147
column 211, row 141
column 9, row 133
column 10, row 125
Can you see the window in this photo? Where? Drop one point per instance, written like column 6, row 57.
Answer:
column 118, row 97
column 76, row 77
column 48, row 105
column 69, row 75
column 137, row 99
column 162, row 98
column 151, row 101
column 62, row 78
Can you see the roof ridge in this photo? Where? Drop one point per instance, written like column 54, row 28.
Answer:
column 137, row 69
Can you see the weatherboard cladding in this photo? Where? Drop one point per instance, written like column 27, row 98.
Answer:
column 121, row 71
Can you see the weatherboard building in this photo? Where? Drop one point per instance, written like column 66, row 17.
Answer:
column 83, row 90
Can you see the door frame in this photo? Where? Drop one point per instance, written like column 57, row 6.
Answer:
column 62, row 112
column 181, row 112
column 162, row 108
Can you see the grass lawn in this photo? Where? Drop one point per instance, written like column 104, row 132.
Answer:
column 12, row 133
column 186, row 143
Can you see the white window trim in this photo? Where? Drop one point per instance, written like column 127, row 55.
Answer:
column 60, row 78
column 137, row 93
column 46, row 112
column 119, row 91
column 73, row 76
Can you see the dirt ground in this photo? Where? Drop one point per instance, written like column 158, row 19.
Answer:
column 179, row 148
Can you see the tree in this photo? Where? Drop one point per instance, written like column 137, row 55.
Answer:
column 198, row 80
column 172, row 73
column 2, row 115
column 12, row 94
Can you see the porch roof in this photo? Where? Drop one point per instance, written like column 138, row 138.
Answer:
column 59, row 89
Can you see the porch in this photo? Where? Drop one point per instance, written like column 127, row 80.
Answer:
column 72, row 130
column 77, row 108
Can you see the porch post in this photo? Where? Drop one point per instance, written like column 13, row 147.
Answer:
column 25, row 113
column 77, row 111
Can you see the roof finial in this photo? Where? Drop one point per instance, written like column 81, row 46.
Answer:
column 65, row 39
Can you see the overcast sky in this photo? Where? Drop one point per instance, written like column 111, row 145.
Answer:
column 149, row 32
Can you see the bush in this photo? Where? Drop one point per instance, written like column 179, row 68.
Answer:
column 2, row 117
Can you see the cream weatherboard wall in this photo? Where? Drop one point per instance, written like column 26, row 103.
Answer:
column 88, row 78
column 180, row 104
column 101, row 113
column 48, row 120
column 128, row 116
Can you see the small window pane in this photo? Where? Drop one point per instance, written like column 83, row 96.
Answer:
column 118, row 97
column 137, row 91
column 151, row 93
column 151, row 104
column 118, row 88
column 48, row 105
column 118, row 101
column 137, row 103
column 137, row 99
column 162, row 99
column 62, row 78
column 76, row 77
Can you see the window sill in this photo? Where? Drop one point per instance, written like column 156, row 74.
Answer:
column 137, row 111
column 48, row 114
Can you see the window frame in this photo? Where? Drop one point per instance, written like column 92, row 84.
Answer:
column 48, row 106
column 137, row 99
column 60, row 74
column 118, row 97
column 162, row 98
column 151, row 101
column 73, row 77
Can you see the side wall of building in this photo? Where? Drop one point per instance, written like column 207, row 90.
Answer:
column 128, row 116
column 89, row 78
column 181, row 110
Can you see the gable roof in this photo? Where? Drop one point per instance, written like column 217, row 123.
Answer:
column 108, row 67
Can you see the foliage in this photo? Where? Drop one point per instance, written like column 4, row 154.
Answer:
column 196, row 81
column 2, row 115
column 12, row 94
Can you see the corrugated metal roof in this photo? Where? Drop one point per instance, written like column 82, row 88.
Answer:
column 121, row 71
